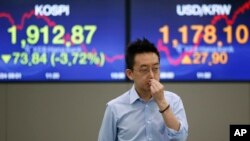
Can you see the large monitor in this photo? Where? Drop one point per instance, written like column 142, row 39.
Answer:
column 84, row 40
column 199, row 40
column 50, row 40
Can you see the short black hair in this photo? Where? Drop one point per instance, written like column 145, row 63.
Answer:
column 137, row 47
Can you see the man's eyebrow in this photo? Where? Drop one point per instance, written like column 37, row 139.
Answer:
column 143, row 65
column 156, row 64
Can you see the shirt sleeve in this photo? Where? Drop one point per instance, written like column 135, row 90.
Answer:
column 108, row 128
column 179, row 112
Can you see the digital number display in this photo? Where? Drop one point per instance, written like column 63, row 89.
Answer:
column 85, row 40
column 53, row 40
column 198, row 40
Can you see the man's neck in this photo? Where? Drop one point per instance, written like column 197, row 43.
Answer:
column 146, row 96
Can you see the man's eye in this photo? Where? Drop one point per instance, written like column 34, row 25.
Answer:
column 157, row 68
column 144, row 70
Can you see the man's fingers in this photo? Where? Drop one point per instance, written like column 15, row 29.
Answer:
column 155, row 87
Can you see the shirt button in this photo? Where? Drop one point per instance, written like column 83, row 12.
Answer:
column 149, row 138
column 147, row 106
column 148, row 121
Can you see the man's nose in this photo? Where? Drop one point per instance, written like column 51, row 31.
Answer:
column 151, row 73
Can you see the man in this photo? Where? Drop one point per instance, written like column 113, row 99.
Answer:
column 145, row 112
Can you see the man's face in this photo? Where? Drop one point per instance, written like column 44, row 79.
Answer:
column 146, row 67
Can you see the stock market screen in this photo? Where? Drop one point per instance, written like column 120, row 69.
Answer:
column 63, row 40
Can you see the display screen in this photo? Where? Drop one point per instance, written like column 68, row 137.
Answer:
column 50, row 40
column 198, row 40
column 85, row 40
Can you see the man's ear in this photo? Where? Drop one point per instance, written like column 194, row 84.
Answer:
column 129, row 74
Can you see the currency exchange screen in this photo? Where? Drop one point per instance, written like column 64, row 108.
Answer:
column 199, row 40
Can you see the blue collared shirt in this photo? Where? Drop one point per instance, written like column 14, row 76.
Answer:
column 129, row 118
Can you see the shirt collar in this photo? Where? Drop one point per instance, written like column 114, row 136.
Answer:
column 133, row 95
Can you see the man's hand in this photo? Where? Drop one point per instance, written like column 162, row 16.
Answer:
column 157, row 92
